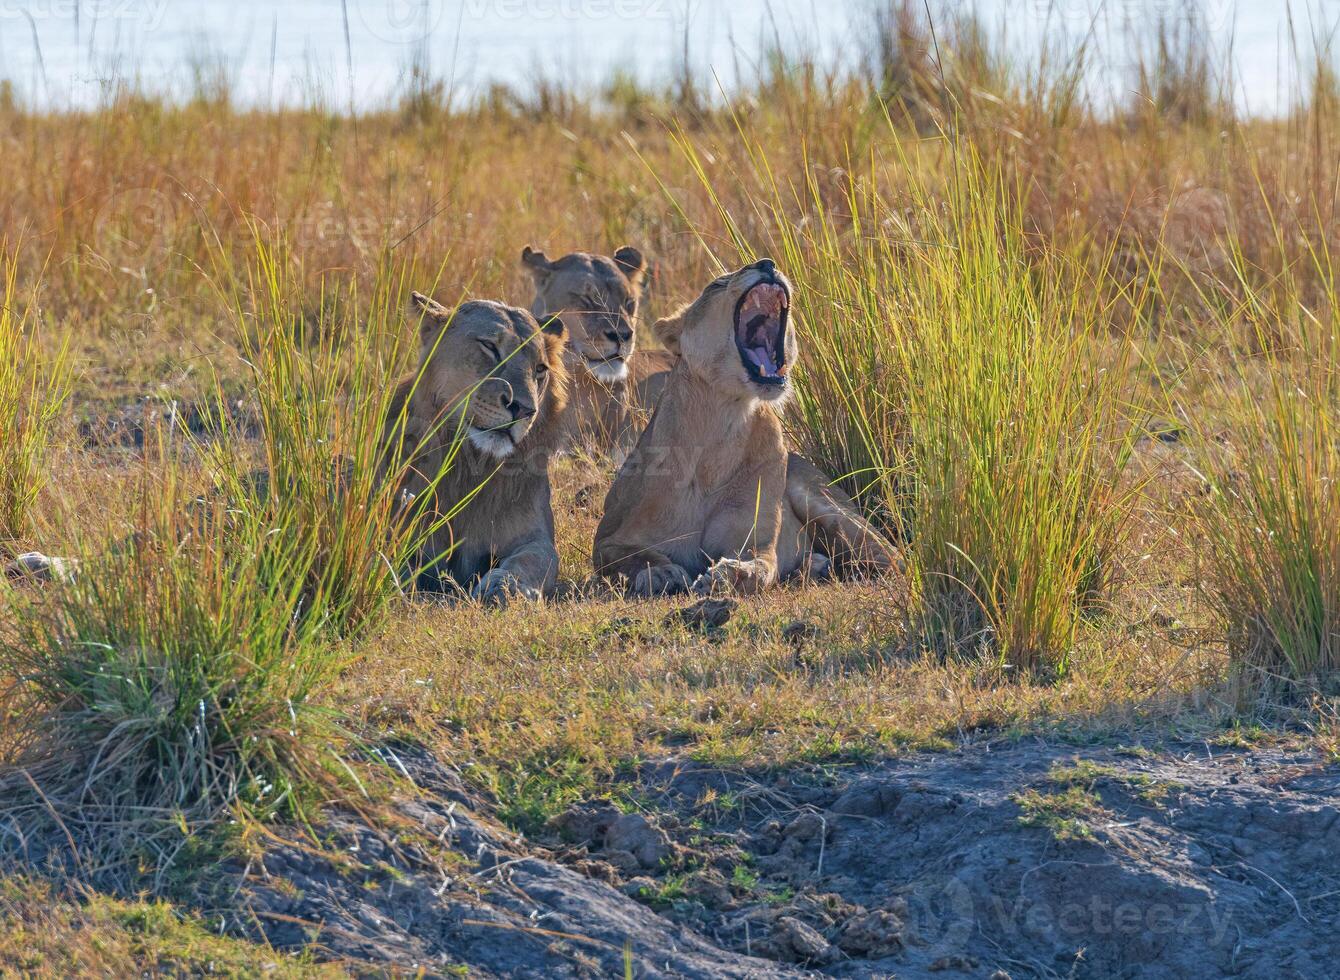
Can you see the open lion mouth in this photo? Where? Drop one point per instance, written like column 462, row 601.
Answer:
column 760, row 331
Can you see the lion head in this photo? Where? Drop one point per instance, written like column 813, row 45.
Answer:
column 490, row 371
column 597, row 297
column 737, row 334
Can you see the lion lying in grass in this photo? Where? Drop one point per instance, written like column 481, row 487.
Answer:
column 612, row 384
column 491, row 387
column 710, row 499
column 488, row 396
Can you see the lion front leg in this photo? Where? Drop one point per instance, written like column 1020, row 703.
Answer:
column 647, row 574
column 529, row 573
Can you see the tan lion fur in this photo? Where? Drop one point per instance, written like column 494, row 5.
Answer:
column 459, row 398
column 710, row 498
column 613, row 385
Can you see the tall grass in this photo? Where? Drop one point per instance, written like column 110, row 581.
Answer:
column 172, row 686
column 960, row 381
column 1270, row 516
column 34, row 382
column 1019, row 432
column 177, row 681
column 330, row 460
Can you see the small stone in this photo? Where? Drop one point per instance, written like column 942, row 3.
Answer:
column 709, row 888
column 799, row 631
column 639, row 887
column 801, row 943
column 633, row 833
column 584, row 823
column 867, row 798
column 705, row 615
column 873, row 935
column 623, row 860
column 805, row 827
column 34, row 566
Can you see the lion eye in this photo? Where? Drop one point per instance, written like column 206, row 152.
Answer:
column 541, row 371
column 629, row 307
column 491, row 348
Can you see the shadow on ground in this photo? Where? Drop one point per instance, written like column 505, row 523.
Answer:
column 987, row 861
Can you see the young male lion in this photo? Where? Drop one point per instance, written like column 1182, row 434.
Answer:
column 613, row 384
column 491, row 383
column 710, row 498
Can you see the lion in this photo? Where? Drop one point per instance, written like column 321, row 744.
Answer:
column 612, row 383
column 489, row 394
column 710, row 499
column 491, row 387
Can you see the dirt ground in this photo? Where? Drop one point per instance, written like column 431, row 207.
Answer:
column 995, row 859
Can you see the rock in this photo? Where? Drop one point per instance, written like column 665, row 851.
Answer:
column 799, row 631
column 633, row 833
column 586, row 822
column 625, row 861
column 872, row 935
column 796, row 942
column 36, row 567
column 805, row 827
column 709, row 888
column 705, row 615
column 639, row 887
column 867, row 798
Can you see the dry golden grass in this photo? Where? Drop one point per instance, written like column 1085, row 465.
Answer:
column 45, row 934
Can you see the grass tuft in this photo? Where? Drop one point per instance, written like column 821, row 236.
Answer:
column 1270, row 513
column 34, row 382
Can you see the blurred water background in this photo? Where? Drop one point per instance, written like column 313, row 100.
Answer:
column 359, row 54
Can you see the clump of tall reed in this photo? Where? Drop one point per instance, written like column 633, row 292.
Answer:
column 176, row 682
column 952, row 379
column 1270, row 456
column 34, row 382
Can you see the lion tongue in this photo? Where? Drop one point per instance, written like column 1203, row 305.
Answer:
column 762, row 358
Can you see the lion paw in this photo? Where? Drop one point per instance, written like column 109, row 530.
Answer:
column 499, row 587
column 816, row 568
column 733, row 575
column 659, row 580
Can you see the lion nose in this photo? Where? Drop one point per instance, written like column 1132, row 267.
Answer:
column 620, row 335
column 766, row 266
column 520, row 411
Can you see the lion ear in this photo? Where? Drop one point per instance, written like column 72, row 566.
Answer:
column 554, row 327
column 426, row 306
column 631, row 263
column 537, row 262
column 555, row 337
column 431, row 314
column 668, row 329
